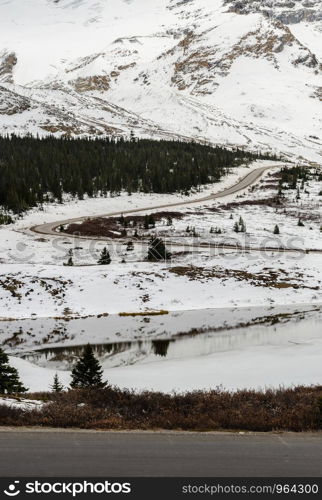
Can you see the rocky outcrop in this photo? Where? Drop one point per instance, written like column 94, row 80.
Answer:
column 90, row 83
column 317, row 94
column 286, row 11
column 199, row 64
column 12, row 103
column 8, row 60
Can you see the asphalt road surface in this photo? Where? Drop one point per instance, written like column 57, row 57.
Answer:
column 97, row 454
column 50, row 228
column 246, row 181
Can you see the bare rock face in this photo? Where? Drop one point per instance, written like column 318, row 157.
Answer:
column 8, row 60
column 286, row 11
column 12, row 103
column 317, row 94
column 200, row 64
column 90, row 83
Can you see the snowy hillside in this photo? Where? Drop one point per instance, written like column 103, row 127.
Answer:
column 246, row 73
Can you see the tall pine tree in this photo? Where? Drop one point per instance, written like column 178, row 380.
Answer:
column 87, row 373
column 9, row 377
column 157, row 250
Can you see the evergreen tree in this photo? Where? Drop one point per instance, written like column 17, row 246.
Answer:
column 105, row 257
column 157, row 250
column 56, row 386
column 276, row 229
column 70, row 261
column 146, row 224
column 36, row 170
column 87, row 373
column 130, row 246
column 9, row 377
column 236, row 227
column 242, row 225
column 5, row 219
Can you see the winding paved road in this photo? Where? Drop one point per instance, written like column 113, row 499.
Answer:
column 98, row 454
column 50, row 228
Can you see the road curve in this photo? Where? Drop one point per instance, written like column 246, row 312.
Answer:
column 249, row 179
column 54, row 453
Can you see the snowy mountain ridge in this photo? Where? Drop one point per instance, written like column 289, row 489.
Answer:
column 221, row 71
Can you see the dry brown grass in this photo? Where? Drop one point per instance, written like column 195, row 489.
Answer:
column 267, row 278
column 144, row 313
column 112, row 227
column 295, row 409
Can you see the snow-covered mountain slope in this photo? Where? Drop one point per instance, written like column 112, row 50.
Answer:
column 229, row 72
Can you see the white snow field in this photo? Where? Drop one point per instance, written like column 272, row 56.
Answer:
column 34, row 282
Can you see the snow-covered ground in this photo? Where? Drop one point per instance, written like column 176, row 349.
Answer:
column 259, row 217
column 51, row 297
column 20, row 245
column 21, row 403
column 34, row 283
column 192, row 69
column 56, row 291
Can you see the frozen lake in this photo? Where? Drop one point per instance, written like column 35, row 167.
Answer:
column 185, row 335
column 235, row 348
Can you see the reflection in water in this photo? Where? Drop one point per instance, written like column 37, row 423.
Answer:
column 160, row 347
column 282, row 333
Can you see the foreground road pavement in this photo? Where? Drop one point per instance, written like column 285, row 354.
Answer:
column 75, row 453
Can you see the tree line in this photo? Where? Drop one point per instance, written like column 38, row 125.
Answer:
column 36, row 170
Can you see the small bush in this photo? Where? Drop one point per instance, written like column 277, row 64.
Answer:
column 296, row 409
column 5, row 219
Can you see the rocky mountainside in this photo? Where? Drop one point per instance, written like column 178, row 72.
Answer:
column 286, row 11
column 232, row 72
